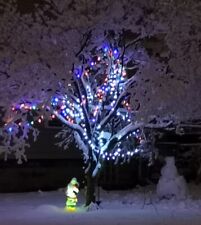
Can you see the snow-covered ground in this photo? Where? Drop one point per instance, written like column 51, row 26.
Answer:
column 138, row 206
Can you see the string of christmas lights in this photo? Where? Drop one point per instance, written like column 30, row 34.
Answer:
column 97, row 92
column 97, row 88
column 32, row 112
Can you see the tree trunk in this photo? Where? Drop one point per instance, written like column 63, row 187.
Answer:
column 91, row 182
column 90, row 192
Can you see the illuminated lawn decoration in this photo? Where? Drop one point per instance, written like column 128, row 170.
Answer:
column 96, row 107
column 71, row 193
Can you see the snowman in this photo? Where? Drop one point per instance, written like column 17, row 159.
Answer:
column 171, row 184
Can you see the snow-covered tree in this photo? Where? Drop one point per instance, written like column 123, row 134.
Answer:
column 96, row 108
column 40, row 39
column 43, row 39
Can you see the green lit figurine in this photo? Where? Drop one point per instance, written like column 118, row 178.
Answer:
column 71, row 194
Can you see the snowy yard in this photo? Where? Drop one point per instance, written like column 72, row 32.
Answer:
column 138, row 206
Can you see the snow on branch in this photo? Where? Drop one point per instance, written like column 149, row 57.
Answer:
column 70, row 125
column 96, row 106
column 120, row 135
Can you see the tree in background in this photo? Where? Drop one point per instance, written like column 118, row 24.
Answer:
column 40, row 39
column 96, row 108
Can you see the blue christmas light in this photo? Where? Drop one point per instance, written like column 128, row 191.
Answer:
column 116, row 53
column 105, row 48
column 34, row 107
column 10, row 129
column 92, row 63
column 78, row 72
